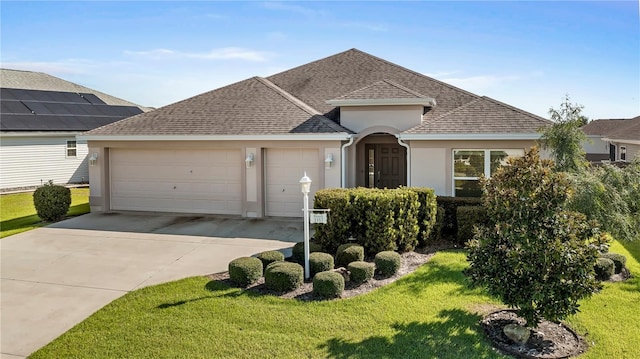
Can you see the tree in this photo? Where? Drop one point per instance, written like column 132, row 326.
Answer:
column 534, row 254
column 565, row 138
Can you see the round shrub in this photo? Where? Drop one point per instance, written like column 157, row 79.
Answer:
column 283, row 276
column 328, row 284
column 320, row 262
column 604, row 268
column 348, row 253
column 297, row 253
column 245, row 270
column 387, row 263
column 52, row 201
column 269, row 257
column 361, row 272
column 618, row 260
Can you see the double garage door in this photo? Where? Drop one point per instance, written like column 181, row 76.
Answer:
column 188, row 181
column 207, row 181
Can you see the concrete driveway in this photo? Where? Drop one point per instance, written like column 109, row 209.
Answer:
column 54, row 277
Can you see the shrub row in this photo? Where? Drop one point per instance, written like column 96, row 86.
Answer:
column 380, row 220
column 468, row 217
column 449, row 207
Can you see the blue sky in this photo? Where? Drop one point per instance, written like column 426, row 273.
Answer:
column 527, row 54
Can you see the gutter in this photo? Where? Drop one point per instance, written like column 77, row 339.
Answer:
column 282, row 137
column 401, row 143
column 343, row 161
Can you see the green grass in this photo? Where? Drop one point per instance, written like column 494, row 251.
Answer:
column 17, row 213
column 428, row 314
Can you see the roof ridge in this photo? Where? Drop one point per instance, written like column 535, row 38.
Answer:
column 456, row 109
column 404, row 88
column 289, row 97
column 540, row 118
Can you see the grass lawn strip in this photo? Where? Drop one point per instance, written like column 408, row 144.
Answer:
column 17, row 213
column 430, row 313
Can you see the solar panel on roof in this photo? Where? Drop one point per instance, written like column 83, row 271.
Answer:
column 93, row 99
column 7, row 94
column 13, row 106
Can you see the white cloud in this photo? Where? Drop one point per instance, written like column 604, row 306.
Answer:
column 225, row 53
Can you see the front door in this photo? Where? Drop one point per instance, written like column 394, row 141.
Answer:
column 386, row 166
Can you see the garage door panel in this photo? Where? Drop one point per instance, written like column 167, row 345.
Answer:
column 284, row 168
column 194, row 181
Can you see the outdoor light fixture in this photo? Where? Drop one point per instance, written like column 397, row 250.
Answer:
column 328, row 161
column 305, row 186
column 249, row 160
column 93, row 159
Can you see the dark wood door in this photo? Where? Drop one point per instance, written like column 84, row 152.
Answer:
column 386, row 166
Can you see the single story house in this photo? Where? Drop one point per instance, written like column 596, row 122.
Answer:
column 41, row 116
column 351, row 119
column 614, row 140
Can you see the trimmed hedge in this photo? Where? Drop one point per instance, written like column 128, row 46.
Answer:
column 427, row 213
column 348, row 253
column 283, row 276
column 328, row 284
column 340, row 219
column 387, row 263
column 320, row 262
column 436, row 233
column 297, row 253
column 604, row 268
column 450, row 206
column 244, row 271
column 269, row 257
column 361, row 272
column 467, row 218
column 52, row 201
column 618, row 260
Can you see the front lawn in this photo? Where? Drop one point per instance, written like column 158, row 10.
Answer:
column 17, row 213
column 430, row 313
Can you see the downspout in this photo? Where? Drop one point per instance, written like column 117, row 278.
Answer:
column 408, row 159
column 343, row 161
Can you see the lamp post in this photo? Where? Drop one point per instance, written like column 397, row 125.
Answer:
column 305, row 184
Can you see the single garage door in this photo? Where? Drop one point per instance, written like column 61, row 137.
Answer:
column 189, row 181
column 284, row 169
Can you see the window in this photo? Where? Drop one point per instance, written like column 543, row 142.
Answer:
column 623, row 153
column 469, row 165
column 71, row 149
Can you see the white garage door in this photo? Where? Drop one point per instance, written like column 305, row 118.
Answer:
column 284, row 169
column 189, row 181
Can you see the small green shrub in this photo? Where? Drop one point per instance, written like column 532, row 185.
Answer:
column 427, row 213
column 348, row 253
column 320, row 262
column 52, row 201
column 244, row 271
column 436, row 233
column 328, row 284
column 269, row 257
column 618, row 260
column 449, row 213
column 361, row 272
column 604, row 268
column 297, row 253
column 283, row 276
column 469, row 217
column 387, row 263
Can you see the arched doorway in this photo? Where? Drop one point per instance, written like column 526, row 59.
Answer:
column 382, row 162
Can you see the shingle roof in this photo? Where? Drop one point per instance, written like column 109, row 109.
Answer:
column 483, row 115
column 384, row 89
column 251, row 107
column 29, row 80
column 614, row 128
column 334, row 76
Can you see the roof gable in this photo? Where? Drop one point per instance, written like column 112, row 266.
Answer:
column 629, row 131
column 614, row 128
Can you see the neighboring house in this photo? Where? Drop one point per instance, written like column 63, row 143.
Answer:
column 39, row 120
column 347, row 120
column 615, row 140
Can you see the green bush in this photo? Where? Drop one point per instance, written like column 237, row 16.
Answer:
column 427, row 213
column 52, row 201
column 533, row 254
column 244, row 271
column 320, row 262
column 297, row 253
column 328, row 284
column 283, row 276
column 269, row 257
column 618, row 259
column 436, row 233
column 604, row 268
column 450, row 218
column 348, row 253
column 361, row 272
column 387, row 263
column 339, row 225
column 469, row 217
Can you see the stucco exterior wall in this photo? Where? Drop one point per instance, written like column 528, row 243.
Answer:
column 358, row 118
